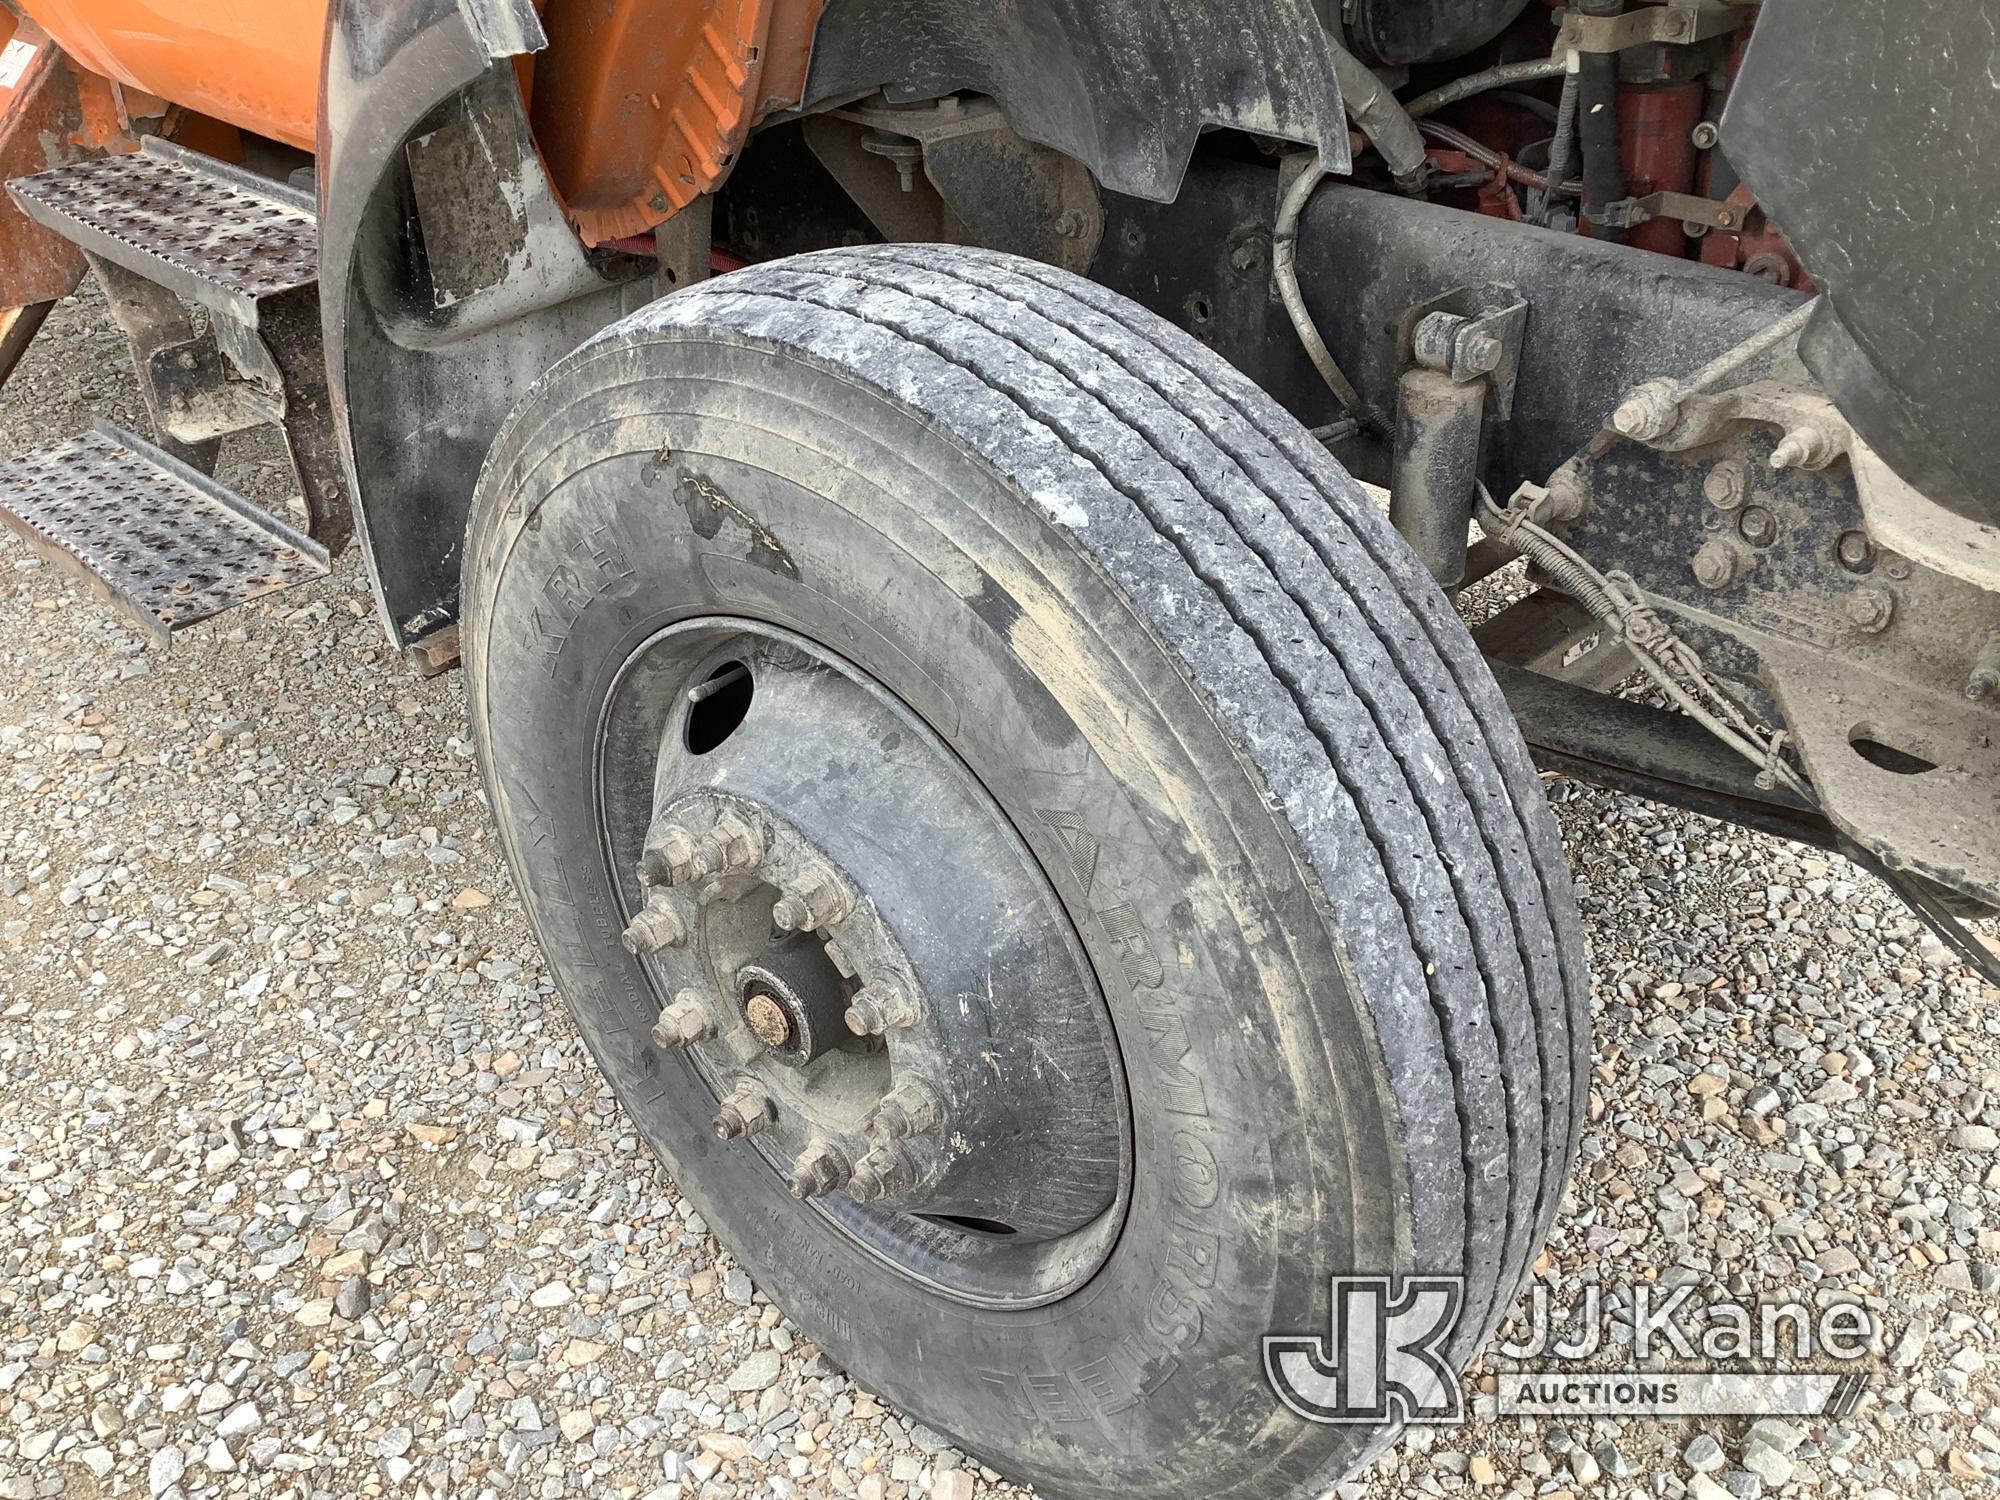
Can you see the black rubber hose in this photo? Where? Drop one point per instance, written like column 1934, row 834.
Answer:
column 1597, row 127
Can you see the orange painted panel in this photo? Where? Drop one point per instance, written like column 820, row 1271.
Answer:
column 640, row 106
column 254, row 63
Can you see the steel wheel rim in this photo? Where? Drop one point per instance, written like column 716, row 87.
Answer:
column 642, row 747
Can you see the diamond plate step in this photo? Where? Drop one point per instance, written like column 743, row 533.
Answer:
column 205, row 230
column 166, row 544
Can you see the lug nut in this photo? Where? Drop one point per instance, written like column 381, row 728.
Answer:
column 884, row 1172
column 673, row 858
column 687, row 1021
column 819, row 1171
column 658, row 926
column 877, row 1008
column 747, row 1112
column 1871, row 610
column 809, row 907
column 912, row 1107
column 733, row 845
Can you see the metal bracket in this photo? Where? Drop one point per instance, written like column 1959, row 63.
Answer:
column 1679, row 22
column 1702, row 213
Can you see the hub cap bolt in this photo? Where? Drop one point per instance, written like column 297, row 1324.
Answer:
column 877, row 1008
column 749, row 1111
column 884, row 1172
column 819, row 1171
column 658, row 926
column 687, row 1021
column 912, row 1107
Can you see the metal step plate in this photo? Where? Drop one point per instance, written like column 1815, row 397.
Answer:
column 166, row 544
column 207, row 231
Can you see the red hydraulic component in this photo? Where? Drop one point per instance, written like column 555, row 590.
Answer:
column 1656, row 125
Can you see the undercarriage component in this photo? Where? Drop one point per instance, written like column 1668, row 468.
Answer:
column 1064, row 677
column 1067, row 75
column 952, row 170
column 1737, row 510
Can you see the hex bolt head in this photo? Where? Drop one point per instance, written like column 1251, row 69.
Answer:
column 1871, row 610
column 1855, row 551
column 746, row 1112
column 672, row 857
column 658, row 926
column 1481, row 353
column 687, row 1021
column 1726, row 484
column 810, row 906
column 877, row 1008
column 821, row 1168
column 1650, row 412
column 909, row 1109
column 1758, row 526
column 884, row 1172
column 1716, row 564
column 734, row 844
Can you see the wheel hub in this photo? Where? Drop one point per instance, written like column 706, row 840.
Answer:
column 867, row 963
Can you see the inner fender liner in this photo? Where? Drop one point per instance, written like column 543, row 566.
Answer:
column 1124, row 86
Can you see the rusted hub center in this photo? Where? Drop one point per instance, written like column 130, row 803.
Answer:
column 768, row 1020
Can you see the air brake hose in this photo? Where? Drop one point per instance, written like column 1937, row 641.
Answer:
column 1597, row 127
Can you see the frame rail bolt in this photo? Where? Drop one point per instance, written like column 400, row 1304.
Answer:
column 1807, row 446
column 1716, row 564
column 1871, row 610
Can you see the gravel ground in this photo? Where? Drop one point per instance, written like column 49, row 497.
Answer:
column 307, row 1187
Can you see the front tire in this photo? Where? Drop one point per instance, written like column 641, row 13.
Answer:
column 998, row 552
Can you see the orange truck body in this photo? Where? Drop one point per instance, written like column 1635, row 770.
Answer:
column 252, row 63
column 638, row 106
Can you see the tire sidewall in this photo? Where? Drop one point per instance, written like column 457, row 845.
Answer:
column 1263, row 1157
